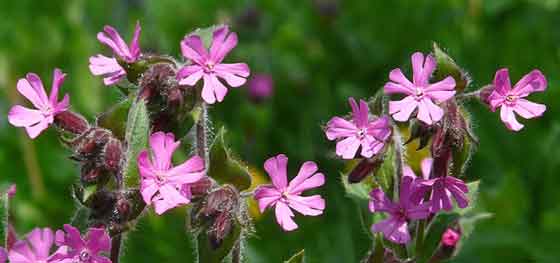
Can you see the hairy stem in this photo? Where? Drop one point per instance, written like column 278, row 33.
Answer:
column 202, row 136
column 116, row 243
column 420, row 237
column 236, row 253
column 399, row 160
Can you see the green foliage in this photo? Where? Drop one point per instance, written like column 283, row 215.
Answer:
column 225, row 167
column 208, row 253
column 115, row 118
column 136, row 137
column 446, row 66
column 299, row 257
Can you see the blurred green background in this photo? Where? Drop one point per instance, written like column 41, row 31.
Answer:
column 319, row 52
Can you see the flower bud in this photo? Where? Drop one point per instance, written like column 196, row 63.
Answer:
column 71, row 122
column 448, row 245
column 450, row 237
column 112, row 155
column 224, row 199
column 364, row 168
column 220, row 229
column 200, row 187
column 92, row 174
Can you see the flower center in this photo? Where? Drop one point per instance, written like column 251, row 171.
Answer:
column 361, row 133
column 160, row 177
column 85, row 256
column 419, row 93
column 209, row 67
column 511, row 99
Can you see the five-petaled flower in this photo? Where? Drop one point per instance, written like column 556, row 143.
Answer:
column 109, row 67
column 36, row 120
column 511, row 100
column 395, row 228
column 82, row 250
column 420, row 94
column 162, row 184
column 283, row 195
column 444, row 188
column 370, row 134
column 208, row 64
column 36, row 247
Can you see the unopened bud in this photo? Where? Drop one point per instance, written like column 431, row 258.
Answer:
column 91, row 174
column 447, row 247
column 450, row 237
column 112, row 155
column 364, row 168
column 224, row 199
column 220, row 229
column 200, row 187
column 71, row 122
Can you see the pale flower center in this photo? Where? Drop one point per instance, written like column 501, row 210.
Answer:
column 361, row 133
column 160, row 177
column 209, row 66
column 85, row 256
column 511, row 99
column 419, row 93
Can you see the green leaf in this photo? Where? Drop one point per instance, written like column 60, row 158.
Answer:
column 80, row 219
column 225, row 167
column 206, row 253
column 299, row 257
column 115, row 118
column 462, row 155
column 385, row 173
column 136, row 137
column 472, row 196
column 446, row 66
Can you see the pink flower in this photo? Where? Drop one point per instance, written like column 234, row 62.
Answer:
column 261, row 87
column 209, row 66
column 512, row 100
column 450, row 237
column 162, row 184
column 370, row 134
column 83, row 250
column 444, row 188
column 395, row 228
column 36, row 120
column 420, row 94
column 36, row 247
column 110, row 68
column 284, row 196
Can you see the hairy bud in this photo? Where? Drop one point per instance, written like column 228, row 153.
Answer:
column 364, row 168
column 112, row 155
column 92, row 174
column 200, row 187
column 71, row 122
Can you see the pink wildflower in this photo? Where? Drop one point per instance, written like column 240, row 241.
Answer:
column 370, row 134
column 162, row 184
column 3, row 255
column 283, row 195
column 83, row 250
column 395, row 228
column 36, row 247
column 450, row 237
column 36, row 120
column 420, row 94
column 443, row 189
column 209, row 66
column 511, row 100
column 109, row 67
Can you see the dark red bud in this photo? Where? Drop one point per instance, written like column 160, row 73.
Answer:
column 112, row 155
column 91, row 173
column 222, row 200
column 220, row 229
column 364, row 168
column 71, row 122
column 200, row 187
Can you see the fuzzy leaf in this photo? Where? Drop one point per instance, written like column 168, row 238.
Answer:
column 225, row 167
column 462, row 155
column 115, row 118
column 359, row 191
column 206, row 251
column 446, row 66
column 136, row 138
column 299, row 257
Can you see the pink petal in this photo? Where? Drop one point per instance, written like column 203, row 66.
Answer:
column 402, row 109
column 190, row 75
column 348, row 147
column 99, row 259
column 148, row 188
column 393, row 229
column 535, row 81
column 284, row 217
column 58, row 79
column 98, row 240
column 222, row 43
column 20, row 116
column 71, row 238
column 163, row 146
column 20, row 253
column 112, row 39
column 193, row 49
column 398, row 77
column 442, row 90
column 392, row 88
column 339, row 128
column 170, row 198
column 380, row 202
column 502, row 83
column 428, row 112
column 276, row 168
column 36, row 129
column 36, row 95
column 508, row 118
column 419, row 212
column 187, row 173
column 231, row 79
column 368, row 143
column 426, row 167
column 135, row 42
column 239, row 69
column 380, row 128
column 213, row 89
column 306, row 179
column 3, row 255
column 63, row 105
column 307, row 205
column 360, row 114
column 528, row 110
column 41, row 240
column 109, row 68
column 266, row 196
column 422, row 69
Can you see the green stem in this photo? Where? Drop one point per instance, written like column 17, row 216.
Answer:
column 399, row 160
column 420, row 237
